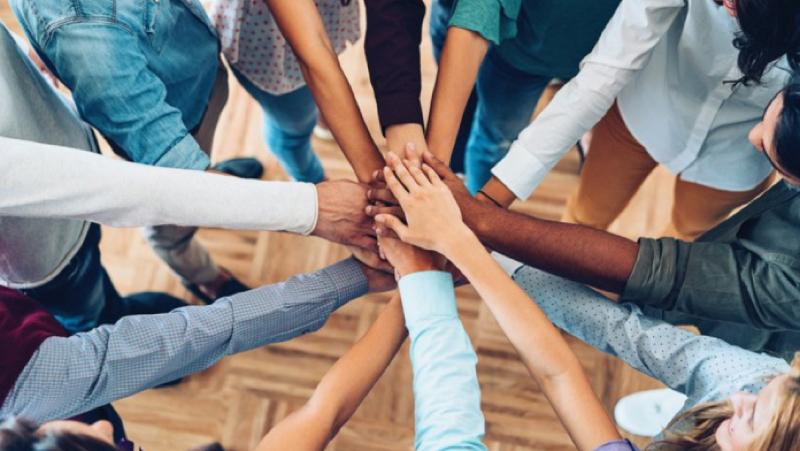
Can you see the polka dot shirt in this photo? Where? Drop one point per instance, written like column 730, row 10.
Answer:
column 255, row 46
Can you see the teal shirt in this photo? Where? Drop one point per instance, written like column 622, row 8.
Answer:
column 447, row 397
column 541, row 37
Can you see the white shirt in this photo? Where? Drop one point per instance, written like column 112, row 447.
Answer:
column 255, row 46
column 665, row 62
column 42, row 183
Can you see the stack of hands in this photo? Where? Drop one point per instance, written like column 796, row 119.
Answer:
column 408, row 219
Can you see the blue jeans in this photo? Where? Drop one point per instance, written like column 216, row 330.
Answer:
column 83, row 297
column 507, row 98
column 289, row 120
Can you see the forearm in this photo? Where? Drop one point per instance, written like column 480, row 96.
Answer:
column 693, row 364
column 579, row 253
column 446, row 391
column 555, row 367
column 302, row 26
column 68, row 376
column 349, row 381
column 394, row 33
column 461, row 59
column 122, row 194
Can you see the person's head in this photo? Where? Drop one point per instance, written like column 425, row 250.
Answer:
column 767, row 421
column 769, row 30
column 778, row 133
column 20, row 435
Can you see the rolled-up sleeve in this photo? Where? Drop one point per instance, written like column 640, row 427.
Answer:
column 720, row 281
column 394, row 33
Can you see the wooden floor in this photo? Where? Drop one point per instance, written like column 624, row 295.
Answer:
column 238, row 400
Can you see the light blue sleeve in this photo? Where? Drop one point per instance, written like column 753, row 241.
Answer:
column 447, row 396
column 704, row 368
column 71, row 375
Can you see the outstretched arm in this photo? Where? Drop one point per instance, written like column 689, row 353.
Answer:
column 301, row 24
column 343, row 388
column 67, row 376
column 434, row 222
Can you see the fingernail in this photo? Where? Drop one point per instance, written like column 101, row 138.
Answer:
column 369, row 194
column 411, row 146
column 369, row 209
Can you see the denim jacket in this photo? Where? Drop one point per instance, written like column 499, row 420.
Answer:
column 141, row 71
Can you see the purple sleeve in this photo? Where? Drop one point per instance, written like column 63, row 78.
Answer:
column 617, row 445
column 394, row 33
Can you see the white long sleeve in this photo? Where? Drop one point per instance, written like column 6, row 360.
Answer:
column 623, row 49
column 43, row 181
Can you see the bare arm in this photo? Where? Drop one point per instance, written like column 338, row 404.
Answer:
column 462, row 55
column 434, row 222
column 343, row 388
column 300, row 22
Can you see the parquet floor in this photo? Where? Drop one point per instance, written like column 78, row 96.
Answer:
column 239, row 399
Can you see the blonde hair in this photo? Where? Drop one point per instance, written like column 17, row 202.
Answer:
column 696, row 428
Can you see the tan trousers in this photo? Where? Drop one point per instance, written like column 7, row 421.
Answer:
column 176, row 245
column 617, row 165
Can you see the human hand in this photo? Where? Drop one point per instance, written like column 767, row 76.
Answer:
column 405, row 258
column 432, row 214
column 342, row 214
column 378, row 281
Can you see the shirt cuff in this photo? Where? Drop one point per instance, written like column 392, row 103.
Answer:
column 185, row 154
column 349, row 280
column 509, row 265
column 653, row 274
column 399, row 108
column 520, row 171
column 427, row 294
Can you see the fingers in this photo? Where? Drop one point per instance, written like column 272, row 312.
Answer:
column 375, row 210
column 384, row 232
column 394, row 224
column 377, row 177
column 397, row 188
column 437, row 165
column 381, row 195
column 400, row 170
column 420, row 176
column 368, row 243
column 413, row 155
column 432, row 175
column 371, row 259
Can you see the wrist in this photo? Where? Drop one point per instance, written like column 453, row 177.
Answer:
column 417, row 260
column 461, row 238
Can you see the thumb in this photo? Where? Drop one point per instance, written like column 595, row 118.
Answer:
column 393, row 223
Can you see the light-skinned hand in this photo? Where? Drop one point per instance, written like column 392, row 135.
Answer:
column 433, row 218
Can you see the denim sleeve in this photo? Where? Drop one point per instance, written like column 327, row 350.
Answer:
column 702, row 367
column 721, row 281
column 119, row 95
column 447, row 396
column 69, row 376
